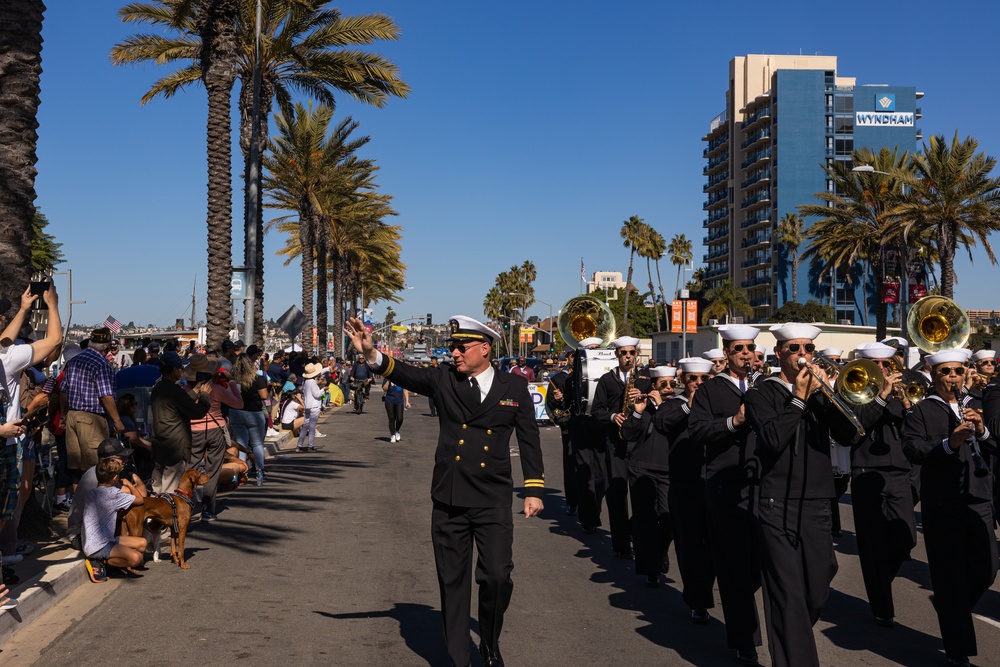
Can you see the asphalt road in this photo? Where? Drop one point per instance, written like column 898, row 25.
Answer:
column 330, row 563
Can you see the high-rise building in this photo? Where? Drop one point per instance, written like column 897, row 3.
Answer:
column 786, row 117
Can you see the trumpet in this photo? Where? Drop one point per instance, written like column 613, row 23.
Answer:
column 860, row 381
column 914, row 387
column 831, row 395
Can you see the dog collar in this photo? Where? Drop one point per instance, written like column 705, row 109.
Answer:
column 186, row 494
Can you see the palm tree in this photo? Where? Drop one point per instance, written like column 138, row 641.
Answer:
column 681, row 253
column 790, row 234
column 952, row 194
column 631, row 233
column 305, row 47
column 657, row 246
column 20, row 70
column 647, row 250
column 857, row 220
column 725, row 301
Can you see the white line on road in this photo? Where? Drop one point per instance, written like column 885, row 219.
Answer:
column 994, row 623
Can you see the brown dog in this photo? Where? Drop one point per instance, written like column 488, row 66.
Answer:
column 160, row 514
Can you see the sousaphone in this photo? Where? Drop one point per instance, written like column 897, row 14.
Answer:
column 586, row 317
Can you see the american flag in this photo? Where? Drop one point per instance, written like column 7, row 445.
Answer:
column 113, row 324
column 583, row 272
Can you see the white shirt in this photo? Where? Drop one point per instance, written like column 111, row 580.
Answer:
column 13, row 360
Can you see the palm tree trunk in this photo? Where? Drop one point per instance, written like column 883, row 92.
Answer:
column 21, row 69
column 652, row 293
column 881, row 308
column 628, row 281
column 322, row 246
column 946, row 249
column 246, row 134
column 677, row 285
column 218, row 72
column 663, row 296
column 795, row 277
column 337, row 270
column 308, row 257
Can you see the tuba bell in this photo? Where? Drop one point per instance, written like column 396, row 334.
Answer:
column 937, row 323
column 586, row 317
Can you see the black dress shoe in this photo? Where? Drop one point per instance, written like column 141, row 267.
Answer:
column 491, row 656
column 887, row 622
column 700, row 616
column 627, row 553
column 590, row 531
column 958, row 662
column 747, row 656
column 652, row 581
column 571, row 511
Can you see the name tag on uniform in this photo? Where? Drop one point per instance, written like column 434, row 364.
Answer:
column 508, row 403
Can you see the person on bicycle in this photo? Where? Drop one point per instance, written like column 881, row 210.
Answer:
column 361, row 380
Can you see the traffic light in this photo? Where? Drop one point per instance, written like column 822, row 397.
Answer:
column 428, row 319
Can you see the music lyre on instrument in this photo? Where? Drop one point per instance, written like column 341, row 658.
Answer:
column 977, row 458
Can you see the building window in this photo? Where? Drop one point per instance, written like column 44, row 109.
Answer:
column 845, row 104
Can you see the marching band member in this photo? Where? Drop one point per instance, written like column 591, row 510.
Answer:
column 648, row 476
column 841, row 477
column 880, row 489
column 588, row 443
column 793, row 421
column 718, row 421
column 687, row 492
column 717, row 357
column 945, row 433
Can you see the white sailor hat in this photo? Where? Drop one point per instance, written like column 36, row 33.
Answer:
column 593, row 340
column 794, row 331
column 625, row 341
column 462, row 328
column 715, row 353
column 662, row 372
column 875, row 351
column 738, row 332
column 695, row 365
column 958, row 354
column 832, row 352
column 984, row 354
column 897, row 341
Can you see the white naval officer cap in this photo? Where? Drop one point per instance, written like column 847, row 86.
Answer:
column 464, row 328
column 875, row 351
column 832, row 352
column 984, row 354
column 738, row 332
column 715, row 353
column 695, row 365
column 625, row 341
column 794, row 331
column 593, row 340
column 662, row 372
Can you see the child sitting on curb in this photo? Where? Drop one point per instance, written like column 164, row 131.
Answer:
column 103, row 509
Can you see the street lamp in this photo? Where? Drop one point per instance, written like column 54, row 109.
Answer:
column 904, row 288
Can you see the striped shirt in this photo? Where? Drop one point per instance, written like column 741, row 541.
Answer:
column 88, row 377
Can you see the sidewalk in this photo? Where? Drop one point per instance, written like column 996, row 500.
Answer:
column 55, row 569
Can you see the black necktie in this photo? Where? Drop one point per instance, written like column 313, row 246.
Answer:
column 469, row 392
column 476, row 397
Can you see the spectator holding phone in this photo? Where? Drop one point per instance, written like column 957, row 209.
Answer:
column 208, row 434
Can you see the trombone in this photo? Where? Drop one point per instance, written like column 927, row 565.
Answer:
column 830, row 394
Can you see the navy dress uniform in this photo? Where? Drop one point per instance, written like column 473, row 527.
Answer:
column 472, row 484
column 956, row 506
column 798, row 562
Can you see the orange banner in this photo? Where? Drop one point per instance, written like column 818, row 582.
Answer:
column 676, row 316
column 692, row 316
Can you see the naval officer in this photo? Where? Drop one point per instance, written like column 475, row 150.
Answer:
column 478, row 410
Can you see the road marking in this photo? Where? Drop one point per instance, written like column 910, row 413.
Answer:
column 994, row 623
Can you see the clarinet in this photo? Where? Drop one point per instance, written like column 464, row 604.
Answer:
column 977, row 458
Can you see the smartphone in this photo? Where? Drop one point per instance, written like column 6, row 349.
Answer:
column 39, row 288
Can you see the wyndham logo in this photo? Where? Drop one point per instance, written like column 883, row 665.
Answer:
column 885, row 102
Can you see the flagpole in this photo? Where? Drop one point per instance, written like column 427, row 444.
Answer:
column 583, row 273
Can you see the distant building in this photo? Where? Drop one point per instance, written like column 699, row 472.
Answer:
column 606, row 280
column 786, row 116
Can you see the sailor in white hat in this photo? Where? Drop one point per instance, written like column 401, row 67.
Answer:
column 833, row 353
column 985, row 367
column 718, row 421
column 649, row 470
column 717, row 357
column 946, row 435
column 881, row 489
column 590, row 343
column 793, row 423
column 610, row 409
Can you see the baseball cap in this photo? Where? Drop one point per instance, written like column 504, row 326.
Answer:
column 112, row 447
column 173, row 360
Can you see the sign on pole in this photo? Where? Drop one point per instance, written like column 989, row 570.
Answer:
column 238, row 284
column 676, row 316
column 293, row 321
column 692, row 316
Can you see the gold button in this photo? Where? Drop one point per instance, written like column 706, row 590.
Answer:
column 489, row 431
column 464, row 426
column 458, row 458
column 486, row 449
column 482, row 465
column 461, row 442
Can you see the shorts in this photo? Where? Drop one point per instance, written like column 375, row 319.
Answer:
column 10, row 479
column 104, row 552
column 287, row 426
column 85, row 431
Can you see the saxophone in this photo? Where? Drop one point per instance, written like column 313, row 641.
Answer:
column 627, row 401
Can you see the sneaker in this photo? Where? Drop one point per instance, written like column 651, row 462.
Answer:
column 208, row 516
column 320, row 435
column 24, row 549
column 12, row 559
column 271, row 433
column 392, row 438
column 260, row 478
column 61, row 508
column 95, row 568
column 398, row 437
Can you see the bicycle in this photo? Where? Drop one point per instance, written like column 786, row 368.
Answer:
column 360, row 395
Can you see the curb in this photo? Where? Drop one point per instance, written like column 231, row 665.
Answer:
column 43, row 591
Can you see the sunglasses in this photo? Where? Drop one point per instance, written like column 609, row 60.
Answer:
column 951, row 370
column 986, row 362
column 630, row 353
column 795, row 347
column 664, row 383
column 462, row 347
column 695, row 378
column 739, row 347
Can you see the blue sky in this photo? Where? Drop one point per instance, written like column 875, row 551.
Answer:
column 534, row 129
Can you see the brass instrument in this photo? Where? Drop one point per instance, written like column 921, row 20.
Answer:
column 628, row 401
column 860, row 381
column 937, row 323
column 586, row 317
column 559, row 413
column 831, row 395
column 977, row 458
